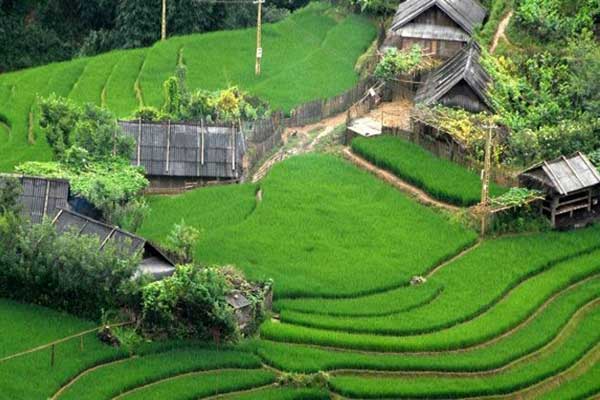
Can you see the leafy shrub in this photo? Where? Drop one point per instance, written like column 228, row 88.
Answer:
column 66, row 272
column 112, row 186
column 396, row 62
column 91, row 128
column 181, row 242
column 318, row 380
column 10, row 190
column 191, row 303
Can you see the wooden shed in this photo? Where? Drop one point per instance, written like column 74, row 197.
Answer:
column 186, row 155
column 154, row 262
column 242, row 309
column 41, row 197
column 440, row 27
column 461, row 82
column 571, row 186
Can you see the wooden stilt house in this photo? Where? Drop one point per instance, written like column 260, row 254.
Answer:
column 571, row 186
column 461, row 82
column 154, row 262
column 185, row 155
column 440, row 27
column 41, row 198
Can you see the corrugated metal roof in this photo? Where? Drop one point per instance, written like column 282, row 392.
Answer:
column 464, row 66
column 187, row 150
column 69, row 221
column 567, row 174
column 41, row 197
column 468, row 14
column 237, row 300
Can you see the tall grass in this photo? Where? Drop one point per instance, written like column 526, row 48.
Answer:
column 120, row 87
column 584, row 339
column 112, row 380
column 90, row 84
column 324, row 228
column 500, row 316
column 25, row 326
column 282, row 394
column 442, row 179
column 204, row 385
column 545, row 327
column 583, row 387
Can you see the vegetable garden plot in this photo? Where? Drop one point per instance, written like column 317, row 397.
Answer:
column 442, row 179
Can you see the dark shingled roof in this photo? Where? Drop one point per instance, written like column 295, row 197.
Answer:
column 237, row 300
column 463, row 67
column 565, row 175
column 41, row 197
column 187, row 150
column 154, row 261
column 466, row 13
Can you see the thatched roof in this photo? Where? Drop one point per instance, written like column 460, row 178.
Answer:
column 565, row 175
column 463, row 67
column 154, row 261
column 468, row 14
column 187, row 150
column 41, row 197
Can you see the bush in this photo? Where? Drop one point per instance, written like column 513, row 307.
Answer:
column 65, row 272
column 396, row 62
column 181, row 242
column 190, row 304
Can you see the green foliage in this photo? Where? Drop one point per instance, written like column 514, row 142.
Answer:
column 58, row 118
column 112, row 186
column 182, row 241
column 91, row 128
column 66, row 272
column 441, row 178
column 190, row 304
column 516, row 197
column 595, row 158
column 10, row 190
column 397, row 62
column 318, row 380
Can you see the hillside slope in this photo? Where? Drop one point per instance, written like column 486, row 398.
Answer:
column 310, row 55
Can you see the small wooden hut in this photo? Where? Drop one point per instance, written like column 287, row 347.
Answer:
column 41, row 197
column 242, row 309
column 180, row 156
column 154, row 262
column 440, row 27
column 461, row 82
column 571, row 186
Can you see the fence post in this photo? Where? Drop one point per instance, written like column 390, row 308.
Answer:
column 81, row 343
column 52, row 355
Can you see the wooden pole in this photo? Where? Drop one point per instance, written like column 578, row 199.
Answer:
column 163, row 31
column 52, row 355
column 485, row 187
column 259, row 49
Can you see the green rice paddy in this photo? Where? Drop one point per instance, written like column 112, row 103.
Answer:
column 510, row 316
column 308, row 56
column 442, row 179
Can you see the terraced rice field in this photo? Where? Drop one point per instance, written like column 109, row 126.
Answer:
column 502, row 318
column 308, row 56
column 442, row 179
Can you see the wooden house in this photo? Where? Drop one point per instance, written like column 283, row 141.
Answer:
column 571, row 186
column 185, row 155
column 440, row 27
column 41, row 198
column 154, row 262
column 461, row 82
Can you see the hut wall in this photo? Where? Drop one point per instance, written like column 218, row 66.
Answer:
column 435, row 16
column 462, row 96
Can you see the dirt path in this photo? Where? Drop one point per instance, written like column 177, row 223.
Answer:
column 398, row 183
column 305, row 143
column 501, row 31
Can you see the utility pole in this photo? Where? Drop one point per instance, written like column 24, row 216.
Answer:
column 486, row 177
column 259, row 50
column 163, row 31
